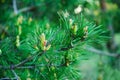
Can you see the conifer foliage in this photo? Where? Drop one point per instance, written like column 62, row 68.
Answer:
column 47, row 52
column 59, row 40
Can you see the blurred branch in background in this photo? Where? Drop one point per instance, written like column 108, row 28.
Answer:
column 100, row 52
column 15, row 7
column 16, row 11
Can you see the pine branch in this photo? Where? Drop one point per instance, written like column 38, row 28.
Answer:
column 20, row 65
column 16, row 76
column 7, row 78
column 40, row 65
column 30, row 67
column 33, row 66
column 22, row 62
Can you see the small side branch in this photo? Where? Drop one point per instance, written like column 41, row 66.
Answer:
column 15, row 7
column 21, row 63
column 26, row 60
column 16, row 76
column 7, row 78
column 16, row 11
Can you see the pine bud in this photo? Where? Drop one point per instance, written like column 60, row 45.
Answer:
column 43, row 48
column 17, row 41
column 19, row 30
column 43, row 43
column 20, row 19
column 42, row 38
column 85, row 29
column 74, row 29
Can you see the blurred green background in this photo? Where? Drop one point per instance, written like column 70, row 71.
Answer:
column 101, row 12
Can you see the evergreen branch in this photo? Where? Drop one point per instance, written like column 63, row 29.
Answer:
column 16, row 76
column 22, row 62
column 91, row 49
column 94, row 50
column 26, row 60
column 8, row 78
column 33, row 66
column 30, row 67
